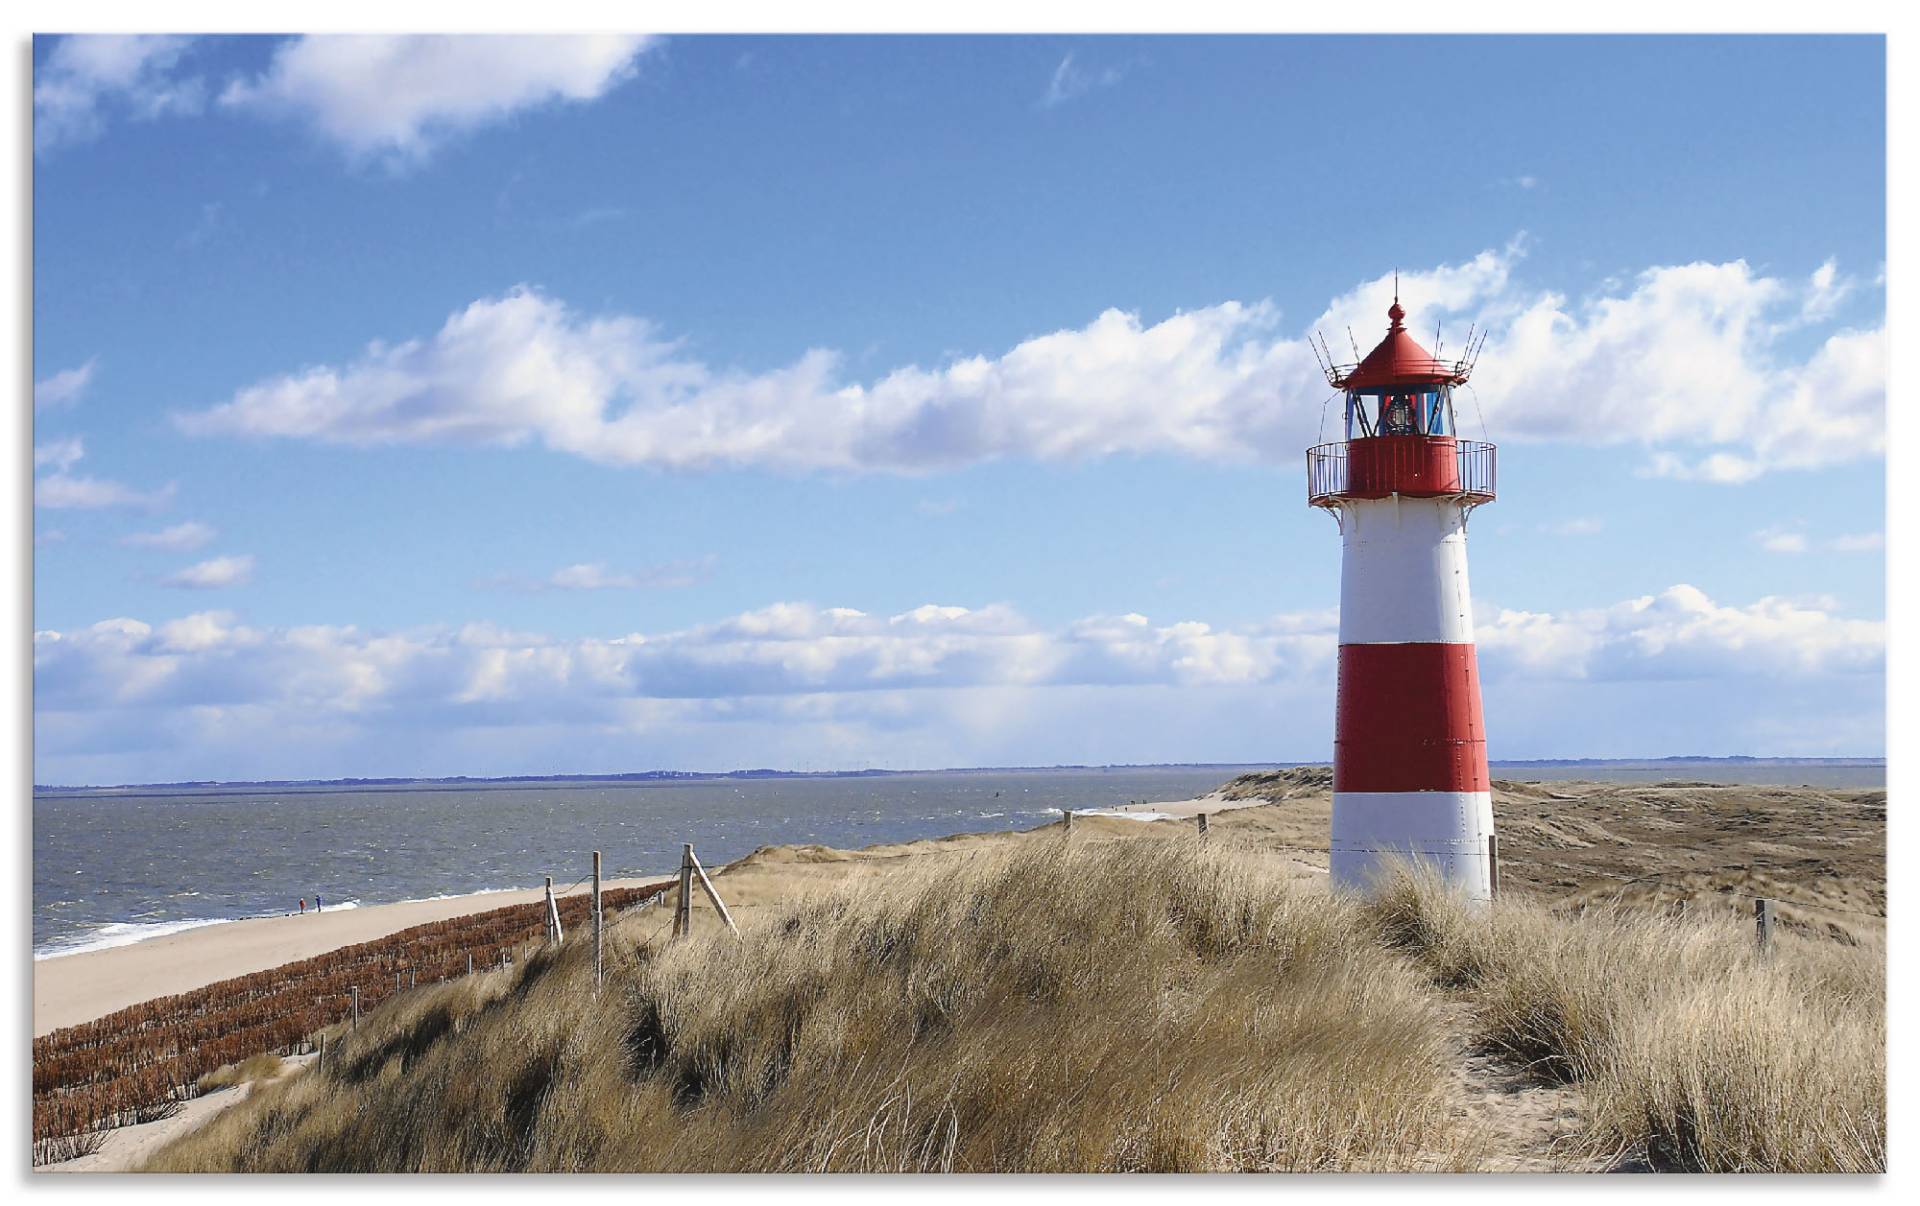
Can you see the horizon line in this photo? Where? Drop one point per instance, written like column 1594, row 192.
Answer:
column 772, row 773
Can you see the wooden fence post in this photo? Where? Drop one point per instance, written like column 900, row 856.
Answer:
column 1201, row 819
column 719, row 906
column 1763, row 924
column 1493, row 865
column 356, row 1007
column 553, row 915
column 683, row 911
column 469, row 963
column 1067, row 822
column 321, row 1063
column 599, row 967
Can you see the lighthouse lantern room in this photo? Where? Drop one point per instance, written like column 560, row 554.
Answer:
column 1410, row 757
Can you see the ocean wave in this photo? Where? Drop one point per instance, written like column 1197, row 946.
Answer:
column 458, row 895
column 121, row 933
column 1127, row 816
column 126, row 933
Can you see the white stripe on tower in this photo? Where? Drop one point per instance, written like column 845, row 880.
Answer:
column 1410, row 763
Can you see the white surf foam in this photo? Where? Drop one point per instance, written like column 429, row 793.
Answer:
column 122, row 933
column 1127, row 816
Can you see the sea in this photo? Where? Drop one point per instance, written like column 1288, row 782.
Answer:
column 119, row 865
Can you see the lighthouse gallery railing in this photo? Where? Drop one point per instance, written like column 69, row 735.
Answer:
column 1327, row 470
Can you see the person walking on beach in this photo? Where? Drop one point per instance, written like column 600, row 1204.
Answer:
column 303, row 905
column 316, row 902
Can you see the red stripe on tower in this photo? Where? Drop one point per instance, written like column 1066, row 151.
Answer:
column 1408, row 719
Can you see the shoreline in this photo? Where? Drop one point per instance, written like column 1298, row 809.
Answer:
column 82, row 985
column 79, row 987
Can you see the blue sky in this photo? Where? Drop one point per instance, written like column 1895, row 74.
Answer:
column 537, row 405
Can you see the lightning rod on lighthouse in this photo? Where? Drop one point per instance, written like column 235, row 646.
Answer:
column 1410, row 754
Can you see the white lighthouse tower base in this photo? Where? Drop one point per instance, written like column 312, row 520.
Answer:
column 1445, row 831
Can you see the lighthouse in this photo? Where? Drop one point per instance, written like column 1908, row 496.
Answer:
column 1410, row 753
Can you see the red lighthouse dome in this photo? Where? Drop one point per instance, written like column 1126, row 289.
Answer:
column 1399, row 360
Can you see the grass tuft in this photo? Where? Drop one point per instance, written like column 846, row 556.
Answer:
column 1689, row 1046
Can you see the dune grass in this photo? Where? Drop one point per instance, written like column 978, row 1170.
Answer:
column 1121, row 1005
column 264, row 1066
column 1085, row 1007
column 1690, row 1047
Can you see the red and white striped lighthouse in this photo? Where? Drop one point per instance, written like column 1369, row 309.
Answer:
column 1410, row 752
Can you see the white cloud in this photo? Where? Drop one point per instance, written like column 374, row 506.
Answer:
column 213, row 574
column 181, row 537
column 1682, row 633
column 397, row 96
column 62, row 490
column 85, row 77
column 61, row 454
column 1859, row 542
column 58, row 491
column 1693, row 354
column 62, row 387
column 918, row 684
column 1687, row 361
column 1826, row 290
column 1070, row 80
column 1792, row 538
column 1720, row 468
column 596, row 575
column 783, row 649
column 1782, row 539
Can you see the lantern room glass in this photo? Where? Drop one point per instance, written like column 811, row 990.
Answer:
column 1412, row 410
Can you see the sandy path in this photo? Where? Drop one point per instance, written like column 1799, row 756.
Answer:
column 71, row 989
column 1524, row 1126
column 127, row 1147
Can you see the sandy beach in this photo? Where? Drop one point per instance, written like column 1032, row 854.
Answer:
column 1182, row 810
column 70, row 989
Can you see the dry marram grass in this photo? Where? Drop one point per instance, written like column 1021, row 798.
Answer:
column 1691, row 1048
column 264, row 1066
column 1124, row 1006
column 1114, row 1005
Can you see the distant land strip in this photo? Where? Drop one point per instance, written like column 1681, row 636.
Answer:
column 666, row 777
